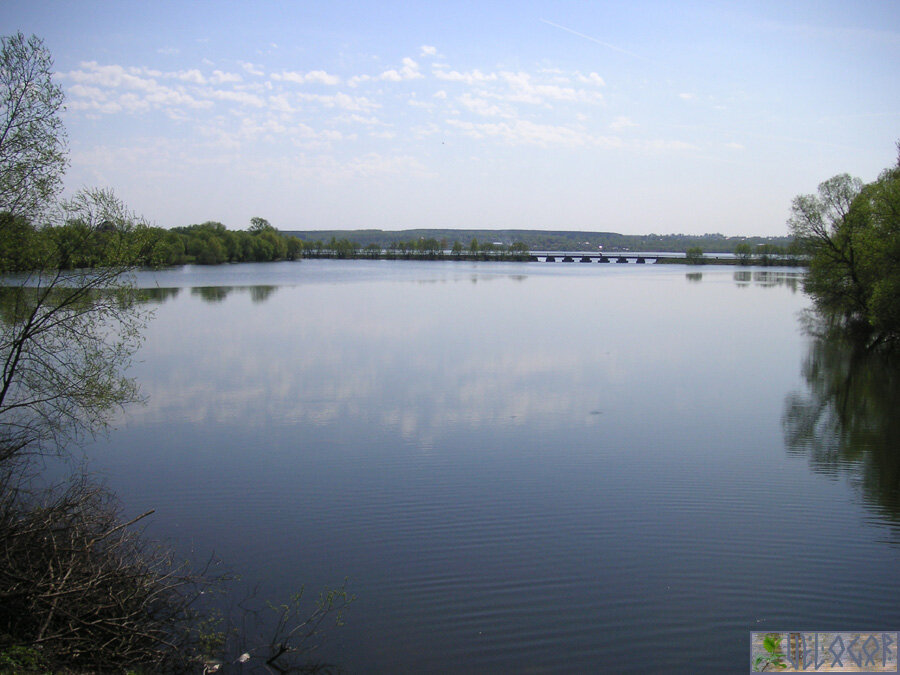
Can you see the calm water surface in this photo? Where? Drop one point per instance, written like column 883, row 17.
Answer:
column 519, row 467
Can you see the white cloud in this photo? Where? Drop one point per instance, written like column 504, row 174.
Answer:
column 441, row 94
column 251, row 68
column 359, row 119
column 168, row 51
column 280, row 103
column 735, row 146
column 133, row 89
column 663, row 145
column 342, row 101
column 526, row 90
column 373, row 165
column 621, row 122
column 685, row 96
column 428, row 50
column 591, row 78
column 194, row 76
column 242, row 97
column 481, row 106
column 409, row 71
column 416, row 103
column 357, row 79
column 525, row 132
column 315, row 77
column 471, row 77
column 218, row 77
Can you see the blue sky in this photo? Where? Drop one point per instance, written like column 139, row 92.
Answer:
column 634, row 117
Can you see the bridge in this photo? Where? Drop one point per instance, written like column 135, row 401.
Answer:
column 625, row 257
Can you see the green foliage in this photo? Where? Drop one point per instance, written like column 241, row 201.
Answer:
column 66, row 335
column 32, row 137
column 694, row 255
column 743, row 253
column 851, row 233
column 773, row 655
column 546, row 240
column 17, row 659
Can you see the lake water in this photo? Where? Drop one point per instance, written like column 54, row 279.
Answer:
column 519, row 467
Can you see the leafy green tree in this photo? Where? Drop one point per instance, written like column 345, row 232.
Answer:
column 744, row 253
column 519, row 250
column 32, row 137
column 259, row 225
column 294, row 248
column 19, row 244
column 67, row 336
column 212, row 252
column 851, row 233
column 694, row 255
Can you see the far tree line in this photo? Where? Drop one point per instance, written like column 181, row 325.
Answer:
column 23, row 246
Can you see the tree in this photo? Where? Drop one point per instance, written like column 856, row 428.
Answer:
column 80, row 590
column 694, row 255
column 519, row 250
column 67, row 335
column 32, row 137
column 259, row 225
column 743, row 252
column 851, row 233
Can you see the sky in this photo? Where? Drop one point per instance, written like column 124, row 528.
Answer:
column 633, row 117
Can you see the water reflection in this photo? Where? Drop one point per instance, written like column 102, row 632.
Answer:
column 694, row 276
column 219, row 293
column 769, row 278
column 846, row 422
column 156, row 295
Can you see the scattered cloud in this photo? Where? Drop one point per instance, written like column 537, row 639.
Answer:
column 591, row 78
column 312, row 77
column 242, row 97
column 621, row 122
column 218, row 77
column 525, row 132
column 427, row 50
column 409, row 71
column 471, row 77
column 251, row 69
column 342, row 101
column 481, row 106
column 686, row 96
column 168, row 51
column 664, row 145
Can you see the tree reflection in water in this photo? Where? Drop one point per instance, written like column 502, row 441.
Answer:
column 848, row 420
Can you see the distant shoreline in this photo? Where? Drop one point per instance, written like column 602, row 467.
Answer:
column 565, row 258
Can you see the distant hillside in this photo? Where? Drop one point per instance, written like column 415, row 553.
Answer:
column 545, row 240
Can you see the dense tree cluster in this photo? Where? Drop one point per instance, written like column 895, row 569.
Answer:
column 75, row 243
column 851, row 232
